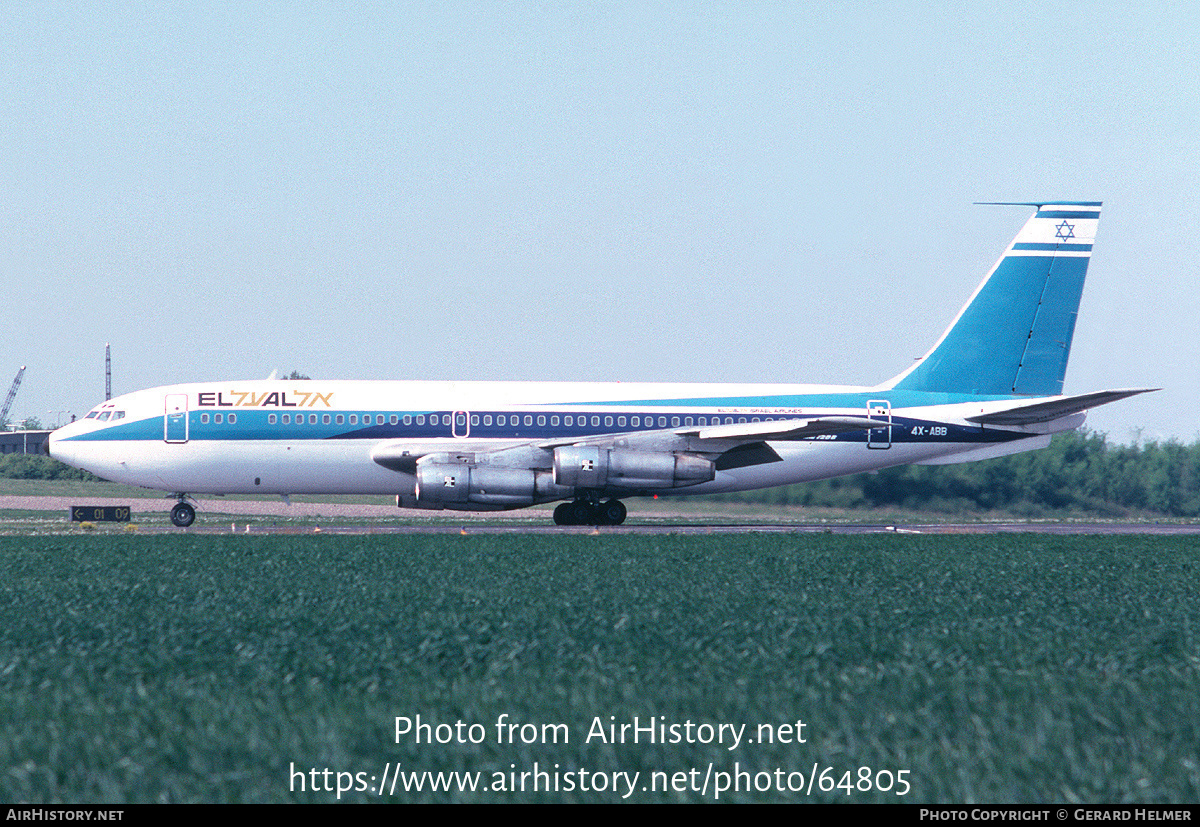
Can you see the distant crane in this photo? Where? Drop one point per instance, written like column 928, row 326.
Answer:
column 12, row 392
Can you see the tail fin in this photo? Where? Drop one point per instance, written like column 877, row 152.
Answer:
column 1013, row 336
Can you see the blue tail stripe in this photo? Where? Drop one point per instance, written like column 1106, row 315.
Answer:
column 1052, row 248
column 1068, row 214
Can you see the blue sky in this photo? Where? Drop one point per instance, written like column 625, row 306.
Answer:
column 623, row 191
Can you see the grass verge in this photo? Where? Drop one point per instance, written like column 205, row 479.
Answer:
column 212, row 668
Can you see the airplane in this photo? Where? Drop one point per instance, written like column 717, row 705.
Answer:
column 989, row 387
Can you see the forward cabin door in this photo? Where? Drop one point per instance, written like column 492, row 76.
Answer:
column 175, row 417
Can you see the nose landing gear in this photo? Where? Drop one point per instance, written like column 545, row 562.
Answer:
column 183, row 515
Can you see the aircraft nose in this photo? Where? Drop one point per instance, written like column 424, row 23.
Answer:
column 54, row 447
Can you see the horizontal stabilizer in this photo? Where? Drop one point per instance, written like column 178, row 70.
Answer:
column 1030, row 413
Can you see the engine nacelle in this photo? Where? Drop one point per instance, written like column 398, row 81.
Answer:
column 584, row 466
column 449, row 483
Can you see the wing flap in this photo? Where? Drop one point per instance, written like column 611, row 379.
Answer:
column 747, row 454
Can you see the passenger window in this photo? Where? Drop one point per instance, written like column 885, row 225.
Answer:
column 528, row 419
column 554, row 421
column 662, row 422
column 203, row 419
column 340, row 419
column 635, row 421
column 568, row 420
column 420, row 419
column 501, row 420
column 595, row 421
column 674, row 422
column 232, row 418
column 541, row 420
column 394, row 419
column 608, row 422
column 270, row 419
column 218, row 418
column 487, row 419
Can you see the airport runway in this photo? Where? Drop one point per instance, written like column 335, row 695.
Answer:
column 695, row 529
column 220, row 516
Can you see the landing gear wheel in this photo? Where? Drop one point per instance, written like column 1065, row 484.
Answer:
column 562, row 514
column 581, row 512
column 611, row 513
column 183, row 515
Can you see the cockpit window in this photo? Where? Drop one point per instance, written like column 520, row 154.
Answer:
column 118, row 415
column 91, row 415
column 104, row 416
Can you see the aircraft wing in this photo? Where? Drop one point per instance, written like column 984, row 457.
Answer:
column 1029, row 413
column 786, row 429
column 736, row 445
column 780, row 429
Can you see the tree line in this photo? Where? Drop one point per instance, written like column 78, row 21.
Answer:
column 37, row 467
column 1078, row 472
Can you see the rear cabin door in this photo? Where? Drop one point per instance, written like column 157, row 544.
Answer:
column 880, row 438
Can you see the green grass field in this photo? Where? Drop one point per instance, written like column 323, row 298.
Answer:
column 988, row 668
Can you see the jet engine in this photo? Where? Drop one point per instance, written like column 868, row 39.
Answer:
column 455, row 482
column 583, row 466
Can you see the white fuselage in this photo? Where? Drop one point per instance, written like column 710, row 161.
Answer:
column 292, row 437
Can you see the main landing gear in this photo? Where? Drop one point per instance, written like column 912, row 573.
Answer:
column 183, row 515
column 590, row 512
